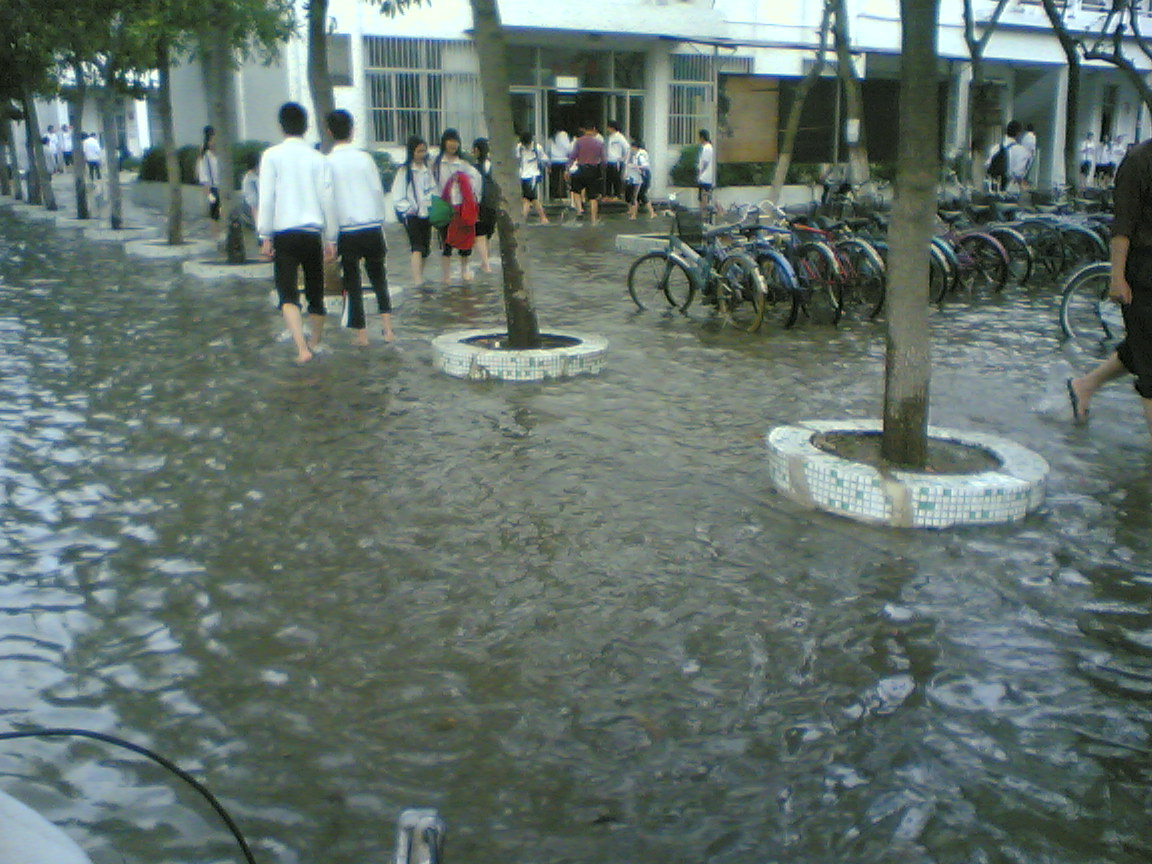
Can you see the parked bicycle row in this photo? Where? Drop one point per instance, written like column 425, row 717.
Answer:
column 762, row 262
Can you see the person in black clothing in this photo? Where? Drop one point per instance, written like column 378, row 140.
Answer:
column 1131, row 287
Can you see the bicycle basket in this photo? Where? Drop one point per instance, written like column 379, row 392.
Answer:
column 690, row 228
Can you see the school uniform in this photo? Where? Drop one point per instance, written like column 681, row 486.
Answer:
column 617, row 155
column 208, row 176
column 92, row 153
column 637, row 176
column 558, row 150
column 443, row 172
column 298, row 215
column 358, row 196
column 412, row 191
column 531, row 162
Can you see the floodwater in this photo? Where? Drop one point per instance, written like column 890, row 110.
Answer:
column 573, row 616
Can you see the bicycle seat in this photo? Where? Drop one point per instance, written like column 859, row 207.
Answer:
column 858, row 222
column 951, row 216
column 980, row 212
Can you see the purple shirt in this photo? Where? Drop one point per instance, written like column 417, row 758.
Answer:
column 587, row 151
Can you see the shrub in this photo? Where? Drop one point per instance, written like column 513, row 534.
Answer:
column 152, row 166
column 386, row 167
column 240, row 153
column 684, row 171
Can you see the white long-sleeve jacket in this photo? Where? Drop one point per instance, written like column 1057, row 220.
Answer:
column 296, row 191
column 356, row 188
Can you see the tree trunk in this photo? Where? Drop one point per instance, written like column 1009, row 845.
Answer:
column 488, row 36
column 75, row 120
column 5, row 179
column 908, row 366
column 319, row 81
column 858, row 169
column 792, row 129
column 37, row 164
column 111, row 158
column 168, row 136
column 220, row 89
column 14, row 161
column 1071, row 131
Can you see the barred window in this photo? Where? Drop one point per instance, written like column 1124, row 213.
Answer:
column 419, row 87
column 692, row 96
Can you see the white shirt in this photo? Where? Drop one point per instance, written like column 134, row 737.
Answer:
column 706, row 166
column 250, row 188
column 296, row 190
column 66, row 142
column 412, row 199
column 448, row 167
column 559, row 147
column 617, row 148
column 208, row 170
column 636, row 168
column 356, row 188
column 1088, row 150
column 1028, row 142
column 54, row 142
column 531, row 159
column 92, row 149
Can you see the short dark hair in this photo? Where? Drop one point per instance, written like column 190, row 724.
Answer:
column 293, row 118
column 613, row 124
column 1013, row 129
column 705, row 135
column 525, row 138
column 252, row 160
column 340, row 124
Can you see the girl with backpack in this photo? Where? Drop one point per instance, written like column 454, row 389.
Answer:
column 412, row 190
column 530, row 157
column 637, row 179
column 486, row 220
column 461, row 185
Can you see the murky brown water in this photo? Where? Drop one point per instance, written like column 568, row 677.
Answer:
column 572, row 616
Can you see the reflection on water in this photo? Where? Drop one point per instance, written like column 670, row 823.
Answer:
column 572, row 616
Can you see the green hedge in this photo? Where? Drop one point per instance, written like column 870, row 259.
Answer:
column 152, row 165
column 761, row 173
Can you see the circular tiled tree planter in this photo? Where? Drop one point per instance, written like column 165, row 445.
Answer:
column 217, row 269
column 163, row 249
column 474, row 354
column 818, row 479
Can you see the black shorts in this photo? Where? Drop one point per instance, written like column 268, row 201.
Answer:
column 293, row 250
column 634, row 194
column 589, row 181
column 486, row 222
column 419, row 234
column 214, row 204
column 528, row 188
column 1135, row 352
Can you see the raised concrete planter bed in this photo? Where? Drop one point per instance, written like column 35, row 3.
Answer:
column 815, row 478
column 119, row 235
column 159, row 248
column 467, row 354
column 216, row 269
column 638, row 244
column 35, row 212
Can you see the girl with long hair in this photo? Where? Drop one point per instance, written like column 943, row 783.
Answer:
column 412, row 190
column 461, row 185
column 208, row 175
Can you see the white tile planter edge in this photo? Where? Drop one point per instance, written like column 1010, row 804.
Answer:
column 454, row 356
column 816, row 479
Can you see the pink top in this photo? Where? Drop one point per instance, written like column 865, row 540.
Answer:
column 587, row 151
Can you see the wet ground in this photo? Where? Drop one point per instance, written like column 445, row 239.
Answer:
column 572, row 616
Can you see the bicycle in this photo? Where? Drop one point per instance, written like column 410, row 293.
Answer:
column 696, row 261
column 1087, row 316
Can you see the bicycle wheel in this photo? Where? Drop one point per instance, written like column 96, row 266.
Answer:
column 864, row 278
column 983, row 265
column 939, row 278
column 815, row 264
column 782, row 299
column 741, row 293
column 657, row 279
column 1020, row 258
column 1047, row 248
column 1087, row 316
column 1081, row 246
column 950, row 264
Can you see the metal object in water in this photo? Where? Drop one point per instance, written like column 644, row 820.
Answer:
column 420, row 837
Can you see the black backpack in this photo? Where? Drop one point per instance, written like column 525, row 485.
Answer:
column 998, row 167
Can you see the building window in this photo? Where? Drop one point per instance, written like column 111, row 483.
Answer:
column 340, row 59
column 692, row 96
column 420, row 87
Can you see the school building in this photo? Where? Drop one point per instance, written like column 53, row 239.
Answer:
column 667, row 68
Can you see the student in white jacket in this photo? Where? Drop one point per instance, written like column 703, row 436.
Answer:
column 297, row 224
column 412, row 191
column 359, row 198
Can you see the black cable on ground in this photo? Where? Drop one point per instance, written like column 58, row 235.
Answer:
column 155, row 757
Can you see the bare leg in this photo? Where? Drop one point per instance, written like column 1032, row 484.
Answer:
column 1085, row 387
column 465, row 271
column 361, row 337
column 485, row 264
column 417, row 269
column 295, row 324
column 445, row 266
column 317, row 331
column 594, row 206
column 539, row 212
column 386, row 325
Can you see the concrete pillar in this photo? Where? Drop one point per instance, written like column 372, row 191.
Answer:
column 656, row 110
column 958, row 135
column 1051, row 153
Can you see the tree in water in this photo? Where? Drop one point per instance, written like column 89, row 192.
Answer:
column 488, row 36
column 908, row 366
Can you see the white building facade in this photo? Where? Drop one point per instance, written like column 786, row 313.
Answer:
column 666, row 68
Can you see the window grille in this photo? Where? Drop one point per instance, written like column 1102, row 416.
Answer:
column 420, row 87
column 692, row 96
